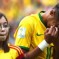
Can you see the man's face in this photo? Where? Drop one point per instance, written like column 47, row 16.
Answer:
column 52, row 22
column 51, row 19
column 4, row 29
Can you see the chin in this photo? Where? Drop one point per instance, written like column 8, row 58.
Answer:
column 48, row 26
column 2, row 38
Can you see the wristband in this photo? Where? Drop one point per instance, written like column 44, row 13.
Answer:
column 43, row 45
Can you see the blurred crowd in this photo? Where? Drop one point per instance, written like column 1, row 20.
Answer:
column 15, row 10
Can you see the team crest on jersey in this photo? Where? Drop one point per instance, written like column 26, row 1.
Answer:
column 21, row 32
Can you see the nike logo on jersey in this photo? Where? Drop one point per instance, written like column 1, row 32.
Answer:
column 39, row 34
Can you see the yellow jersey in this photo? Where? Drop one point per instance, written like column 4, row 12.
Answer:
column 14, row 53
column 30, row 33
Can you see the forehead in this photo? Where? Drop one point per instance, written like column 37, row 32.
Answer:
column 3, row 20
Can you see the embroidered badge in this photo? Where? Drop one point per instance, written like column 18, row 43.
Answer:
column 21, row 32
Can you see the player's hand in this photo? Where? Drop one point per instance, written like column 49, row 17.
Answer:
column 51, row 34
column 56, row 41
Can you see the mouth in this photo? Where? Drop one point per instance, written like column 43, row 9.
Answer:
column 2, row 34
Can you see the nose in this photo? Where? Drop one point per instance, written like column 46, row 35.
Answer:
column 2, row 29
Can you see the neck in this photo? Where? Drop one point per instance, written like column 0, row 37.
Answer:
column 44, row 17
column 1, row 44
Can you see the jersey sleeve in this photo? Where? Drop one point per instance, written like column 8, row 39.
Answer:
column 23, row 33
column 16, row 52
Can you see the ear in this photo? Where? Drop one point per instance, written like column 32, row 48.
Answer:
column 52, row 12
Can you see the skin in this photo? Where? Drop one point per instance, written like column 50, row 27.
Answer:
column 50, row 35
column 52, row 26
column 4, row 30
column 52, row 31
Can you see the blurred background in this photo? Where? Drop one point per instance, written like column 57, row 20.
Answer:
column 16, row 10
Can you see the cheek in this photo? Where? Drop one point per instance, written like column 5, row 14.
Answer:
column 7, row 31
column 49, row 23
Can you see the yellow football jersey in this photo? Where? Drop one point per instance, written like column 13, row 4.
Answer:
column 30, row 33
column 14, row 53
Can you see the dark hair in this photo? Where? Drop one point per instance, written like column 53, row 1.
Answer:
column 57, row 11
column 5, row 44
column 2, row 15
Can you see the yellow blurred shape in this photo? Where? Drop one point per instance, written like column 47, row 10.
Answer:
column 49, row 2
column 27, row 2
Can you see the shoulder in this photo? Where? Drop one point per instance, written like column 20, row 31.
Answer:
column 16, row 48
column 28, row 19
column 16, row 52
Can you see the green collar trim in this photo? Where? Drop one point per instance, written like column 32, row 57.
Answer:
column 41, row 19
column 48, row 53
column 25, row 48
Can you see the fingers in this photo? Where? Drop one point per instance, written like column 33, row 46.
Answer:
column 51, row 30
column 51, row 34
column 47, row 30
column 56, row 31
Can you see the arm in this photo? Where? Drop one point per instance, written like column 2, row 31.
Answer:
column 37, row 51
column 56, row 53
column 32, row 54
column 23, row 34
column 49, row 36
column 56, row 48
